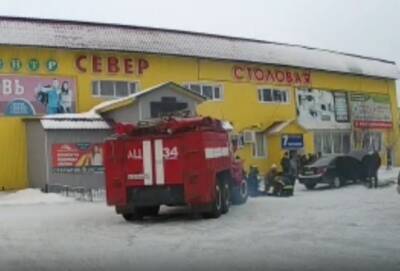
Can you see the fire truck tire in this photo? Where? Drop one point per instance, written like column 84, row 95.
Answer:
column 131, row 217
column 147, row 210
column 216, row 205
column 141, row 212
column 240, row 193
column 226, row 197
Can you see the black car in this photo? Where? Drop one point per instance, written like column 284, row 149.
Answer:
column 335, row 170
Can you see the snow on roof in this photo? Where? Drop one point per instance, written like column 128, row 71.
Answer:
column 105, row 106
column 226, row 125
column 97, row 36
column 75, row 121
column 74, row 124
column 90, row 115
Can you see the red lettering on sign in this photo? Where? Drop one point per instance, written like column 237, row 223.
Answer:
column 307, row 77
column 238, row 72
column 297, row 78
column 289, row 77
column 249, row 70
column 280, row 76
column 113, row 64
column 143, row 65
column 128, row 65
column 79, row 64
column 270, row 76
column 96, row 64
column 259, row 74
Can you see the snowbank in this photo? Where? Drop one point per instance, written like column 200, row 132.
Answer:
column 31, row 196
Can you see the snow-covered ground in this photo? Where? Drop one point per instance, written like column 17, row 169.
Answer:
column 352, row 228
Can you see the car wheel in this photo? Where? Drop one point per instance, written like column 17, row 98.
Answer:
column 310, row 186
column 336, row 182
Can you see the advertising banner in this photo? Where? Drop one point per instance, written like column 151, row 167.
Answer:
column 36, row 95
column 320, row 109
column 371, row 111
column 77, row 158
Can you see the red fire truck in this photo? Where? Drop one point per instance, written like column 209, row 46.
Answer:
column 178, row 161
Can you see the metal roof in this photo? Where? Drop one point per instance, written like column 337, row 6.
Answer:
column 97, row 36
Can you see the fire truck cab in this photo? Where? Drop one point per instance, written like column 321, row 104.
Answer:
column 172, row 162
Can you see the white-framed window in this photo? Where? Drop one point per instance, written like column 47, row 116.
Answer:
column 273, row 95
column 212, row 92
column 332, row 142
column 113, row 88
column 260, row 146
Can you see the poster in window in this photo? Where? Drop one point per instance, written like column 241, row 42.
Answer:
column 320, row 109
column 371, row 111
column 77, row 158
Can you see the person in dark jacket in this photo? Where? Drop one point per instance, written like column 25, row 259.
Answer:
column 375, row 164
column 285, row 163
column 371, row 163
column 253, row 181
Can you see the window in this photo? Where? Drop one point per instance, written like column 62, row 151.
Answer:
column 332, row 142
column 259, row 147
column 267, row 95
column 113, row 89
column 211, row 92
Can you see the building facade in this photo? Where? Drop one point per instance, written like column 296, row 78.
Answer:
column 278, row 97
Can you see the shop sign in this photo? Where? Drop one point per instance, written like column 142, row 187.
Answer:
column 33, row 64
column 77, row 158
column 371, row 111
column 271, row 75
column 111, row 64
column 36, row 95
column 292, row 141
column 320, row 109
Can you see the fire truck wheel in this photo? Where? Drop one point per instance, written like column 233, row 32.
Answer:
column 216, row 205
column 132, row 217
column 226, row 197
column 147, row 210
column 240, row 193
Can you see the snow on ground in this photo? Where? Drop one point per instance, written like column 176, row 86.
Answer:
column 31, row 196
column 351, row 228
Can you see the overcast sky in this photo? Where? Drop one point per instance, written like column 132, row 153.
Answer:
column 366, row 27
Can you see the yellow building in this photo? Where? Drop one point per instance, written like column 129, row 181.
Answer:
column 279, row 97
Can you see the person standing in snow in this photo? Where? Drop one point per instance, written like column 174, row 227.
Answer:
column 253, row 181
column 376, row 164
column 285, row 164
column 293, row 168
column 269, row 179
